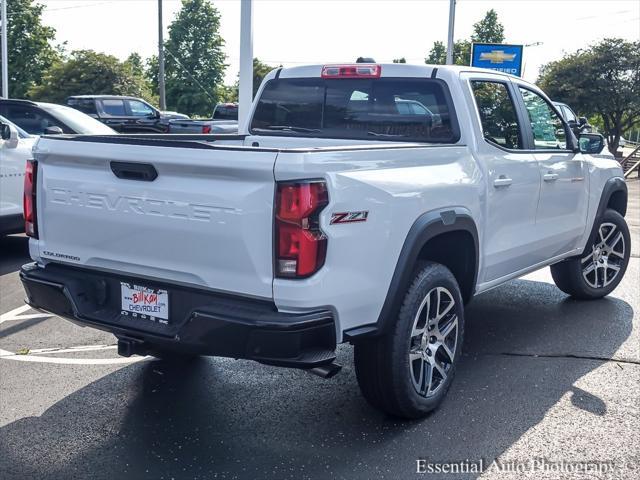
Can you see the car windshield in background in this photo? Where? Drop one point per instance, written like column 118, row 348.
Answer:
column 78, row 121
column 380, row 109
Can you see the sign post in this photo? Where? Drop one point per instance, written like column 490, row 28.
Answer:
column 498, row 56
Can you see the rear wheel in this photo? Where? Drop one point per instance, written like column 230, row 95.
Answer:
column 408, row 371
column 601, row 268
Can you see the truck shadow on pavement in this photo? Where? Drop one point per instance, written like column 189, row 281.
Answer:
column 526, row 345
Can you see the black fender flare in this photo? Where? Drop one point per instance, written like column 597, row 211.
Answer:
column 611, row 186
column 427, row 226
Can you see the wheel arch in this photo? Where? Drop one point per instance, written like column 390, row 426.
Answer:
column 431, row 237
column 614, row 196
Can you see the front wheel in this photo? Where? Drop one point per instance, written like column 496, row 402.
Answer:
column 601, row 267
column 407, row 371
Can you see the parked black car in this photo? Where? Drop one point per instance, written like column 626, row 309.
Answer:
column 38, row 118
column 124, row 114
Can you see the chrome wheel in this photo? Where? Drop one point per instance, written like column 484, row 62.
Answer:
column 434, row 340
column 601, row 266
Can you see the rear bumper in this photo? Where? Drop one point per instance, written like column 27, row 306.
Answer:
column 200, row 322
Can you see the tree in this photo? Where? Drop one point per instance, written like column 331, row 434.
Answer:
column 89, row 72
column 260, row 70
column 29, row 46
column 602, row 80
column 400, row 60
column 136, row 64
column 487, row 30
column 194, row 59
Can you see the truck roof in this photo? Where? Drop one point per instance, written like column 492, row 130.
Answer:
column 93, row 97
column 389, row 70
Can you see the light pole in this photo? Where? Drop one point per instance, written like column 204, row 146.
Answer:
column 161, row 89
column 245, row 88
column 534, row 44
column 5, row 58
column 452, row 17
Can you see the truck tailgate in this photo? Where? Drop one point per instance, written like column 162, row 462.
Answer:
column 206, row 220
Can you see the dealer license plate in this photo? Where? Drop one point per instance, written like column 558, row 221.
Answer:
column 144, row 302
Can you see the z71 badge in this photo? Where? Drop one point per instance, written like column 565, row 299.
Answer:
column 349, row 217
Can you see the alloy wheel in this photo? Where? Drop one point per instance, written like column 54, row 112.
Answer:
column 601, row 266
column 434, row 340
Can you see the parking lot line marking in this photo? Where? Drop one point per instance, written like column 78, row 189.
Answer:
column 85, row 348
column 6, row 355
column 16, row 314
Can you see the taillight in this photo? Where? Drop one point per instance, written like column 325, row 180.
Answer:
column 30, row 181
column 300, row 244
column 206, row 129
column 351, row 71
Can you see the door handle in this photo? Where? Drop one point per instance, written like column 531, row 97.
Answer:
column 143, row 172
column 550, row 177
column 502, row 181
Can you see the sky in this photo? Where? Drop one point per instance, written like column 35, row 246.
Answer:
column 294, row 32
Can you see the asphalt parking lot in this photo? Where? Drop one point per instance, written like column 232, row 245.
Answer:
column 543, row 377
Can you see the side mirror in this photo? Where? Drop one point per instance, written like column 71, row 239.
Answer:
column 582, row 121
column 53, row 130
column 591, row 143
column 9, row 134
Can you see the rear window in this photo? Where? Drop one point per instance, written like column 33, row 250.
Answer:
column 85, row 105
column 225, row 113
column 372, row 109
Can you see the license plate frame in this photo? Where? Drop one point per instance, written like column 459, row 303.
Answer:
column 143, row 302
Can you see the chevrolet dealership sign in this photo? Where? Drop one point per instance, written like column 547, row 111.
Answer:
column 497, row 56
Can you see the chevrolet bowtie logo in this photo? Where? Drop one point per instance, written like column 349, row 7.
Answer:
column 497, row 56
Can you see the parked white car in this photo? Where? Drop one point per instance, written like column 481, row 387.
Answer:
column 334, row 218
column 15, row 150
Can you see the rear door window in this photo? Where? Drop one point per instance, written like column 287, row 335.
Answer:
column 114, row 107
column 401, row 109
column 497, row 114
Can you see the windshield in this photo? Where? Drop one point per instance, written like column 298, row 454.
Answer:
column 78, row 121
column 21, row 132
column 403, row 109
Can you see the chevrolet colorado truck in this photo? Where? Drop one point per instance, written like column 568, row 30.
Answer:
column 338, row 216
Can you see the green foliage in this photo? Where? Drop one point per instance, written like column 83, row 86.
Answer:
column 89, row 72
column 195, row 59
column 400, row 60
column 487, row 30
column 29, row 47
column 602, row 80
column 135, row 63
column 260, row 70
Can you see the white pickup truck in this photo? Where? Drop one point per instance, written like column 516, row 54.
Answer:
column 343, row 214
column 15, row 150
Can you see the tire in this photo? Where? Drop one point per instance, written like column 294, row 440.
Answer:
column 599, row 270
column 388, row 367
